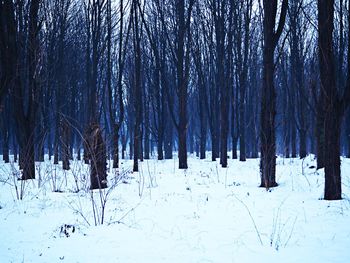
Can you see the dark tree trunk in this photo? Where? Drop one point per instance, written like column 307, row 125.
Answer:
column 268, row 112
column 146, row 138
column 333, row 107
column 320, row 132
column 243, row 53
column 191, row 141
column 168, row 141
column 234, row 147
column 15, row 149
column 286, row 123
column 347, row 133
column 98, row 155
column 214, row 145
column 124, row 142
column 131, row 144
column 203, row 137
column 332, row 189
column 79, row 153
column 4, row 134
column 137, row 87
column 49, row 146
column 116, row 147
column 182, row 146
column 27, row 153
column 65, row 144
column 292, row 120
column 268, row 99
column 26, row 116
column 181, row 83
column 56, row 147
column 5, row 148
column 302, row 143
column 222, row 87
column 160, row 147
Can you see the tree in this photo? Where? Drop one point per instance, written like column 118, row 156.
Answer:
column 268, row 98
column 95, row 149
column 242, row 21
column 137, row 83
column 180, row 51
column 115, row 96
column 334, row 105
column 25, row 106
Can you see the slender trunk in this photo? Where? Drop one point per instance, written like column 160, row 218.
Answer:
column 168, row 142
column 182, row 146
column 49, row 146
column 320, row 133
column 242, row 125
column 347, row 133
column 116, row 147
column 302, row 144
column 79, row 153
column 124, row 140
column 65, row 144
column 136, row 149
column 5, row 146
column 146, row 134
column 203, row 138
column 234, row 147
column 214, row 145
column 27, row 154
column 160, row 146
column 15, row 150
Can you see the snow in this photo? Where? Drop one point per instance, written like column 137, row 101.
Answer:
column 162, row 214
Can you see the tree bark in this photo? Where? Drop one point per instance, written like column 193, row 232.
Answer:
column 332, row 110
column 268, row 99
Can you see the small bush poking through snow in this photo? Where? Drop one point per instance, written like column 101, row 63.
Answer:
column 67, row 230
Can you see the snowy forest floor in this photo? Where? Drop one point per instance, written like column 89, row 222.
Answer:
column 163, row 214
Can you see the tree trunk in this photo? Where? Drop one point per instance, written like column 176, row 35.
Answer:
column 137, row 87
column 27, row 153
column 214, row 145
column 320, row 132
column 267, row 132
column 124, row 142
column 203, row 137
column 98, row 155
column 234, row 147
column 160, row 146
column 5, row 145
column 116, row 147
column 332, row 110
column 146, row 139
column 15, row 149
column 347, row 134
column 182, row 144
column 65, row 143
column 332, row 190
column 268, row 98
column 302, row 144
column 168, row 141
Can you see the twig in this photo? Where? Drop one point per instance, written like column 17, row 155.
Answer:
column 251, row 217
column 128, row 212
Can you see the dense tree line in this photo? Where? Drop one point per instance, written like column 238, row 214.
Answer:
column 236, row 79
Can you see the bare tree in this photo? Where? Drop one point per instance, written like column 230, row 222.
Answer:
column 334, row 105
column 268, row 99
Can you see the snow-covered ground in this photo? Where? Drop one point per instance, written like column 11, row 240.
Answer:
column 162, row 214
